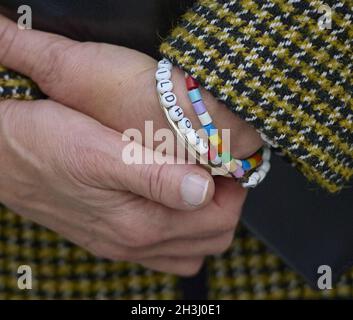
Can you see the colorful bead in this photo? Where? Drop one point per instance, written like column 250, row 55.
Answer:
column 226, row 157
column 257, row 157
column 205, row 118
column 168, row 99
column 165, row 64
column 231, row 165
column 245, row 165
column 210, row 129
column 199, row 107
column 195, row 95
column 191, row 83
column 215, row 140
column 253, row 162
column 239, row 173
column 164, row 86
column 212, row 153
column 163, row 74
column 176, row 113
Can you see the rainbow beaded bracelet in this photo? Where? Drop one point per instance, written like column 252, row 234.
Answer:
column 250, row 172
column 237, row 168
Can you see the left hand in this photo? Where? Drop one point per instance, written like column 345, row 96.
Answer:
column 114, row 85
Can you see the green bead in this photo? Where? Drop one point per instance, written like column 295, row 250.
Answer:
column 226, row 157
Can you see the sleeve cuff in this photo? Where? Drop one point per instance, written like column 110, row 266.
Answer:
column 272, row 65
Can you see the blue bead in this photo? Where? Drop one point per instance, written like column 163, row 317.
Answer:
column 195, row 95
column 208, row 129
column 246, row 165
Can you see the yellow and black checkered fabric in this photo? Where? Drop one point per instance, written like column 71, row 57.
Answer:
column 61, row 270
column 275, row 65
column 249, row 271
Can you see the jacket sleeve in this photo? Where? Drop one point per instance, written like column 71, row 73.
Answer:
column 273, row 64
column 15, row 86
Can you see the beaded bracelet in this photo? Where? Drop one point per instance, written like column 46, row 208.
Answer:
column 250, row 171
column 240, row 169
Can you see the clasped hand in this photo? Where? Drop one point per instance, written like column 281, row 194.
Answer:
column 61, row 161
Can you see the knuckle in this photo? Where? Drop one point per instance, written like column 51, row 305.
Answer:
column 81, row 162
column 136, row 234
column 141, row 239
column 49, row 69
column 7, row 38
column 156, row 175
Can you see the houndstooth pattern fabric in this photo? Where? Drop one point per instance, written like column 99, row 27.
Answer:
column 271, row 64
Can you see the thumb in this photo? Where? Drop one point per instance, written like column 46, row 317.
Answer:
column 178, row 186
column 96, row 154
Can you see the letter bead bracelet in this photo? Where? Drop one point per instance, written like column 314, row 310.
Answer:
column 250, row 172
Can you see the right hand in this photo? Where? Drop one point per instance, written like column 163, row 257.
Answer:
column 64, row 170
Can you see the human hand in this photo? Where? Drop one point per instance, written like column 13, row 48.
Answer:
column 112, row 84
column 65, row 171
column 116, row 86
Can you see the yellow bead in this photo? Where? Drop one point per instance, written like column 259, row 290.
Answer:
column 231, row 166
column 215, row 140
column 252, row 162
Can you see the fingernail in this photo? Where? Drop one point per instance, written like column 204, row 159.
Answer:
column 194, row 189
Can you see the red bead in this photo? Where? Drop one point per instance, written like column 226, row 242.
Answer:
column 191, row 83
column 212, row 152
column 258, row 157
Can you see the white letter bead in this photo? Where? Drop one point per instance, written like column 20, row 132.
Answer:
column 266, row 166
column 266, row 156
column 256, row 176
column 205, row 118
column 164, row 86
column 185, row 125
column 202, row 147
column 165, row 64
column 252, row 183
column 193, row 137
column 262, row 174
column 163, row 74
column 168, row 99
column 176, row 113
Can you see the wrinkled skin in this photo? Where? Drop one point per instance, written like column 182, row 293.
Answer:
column 61, row 159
